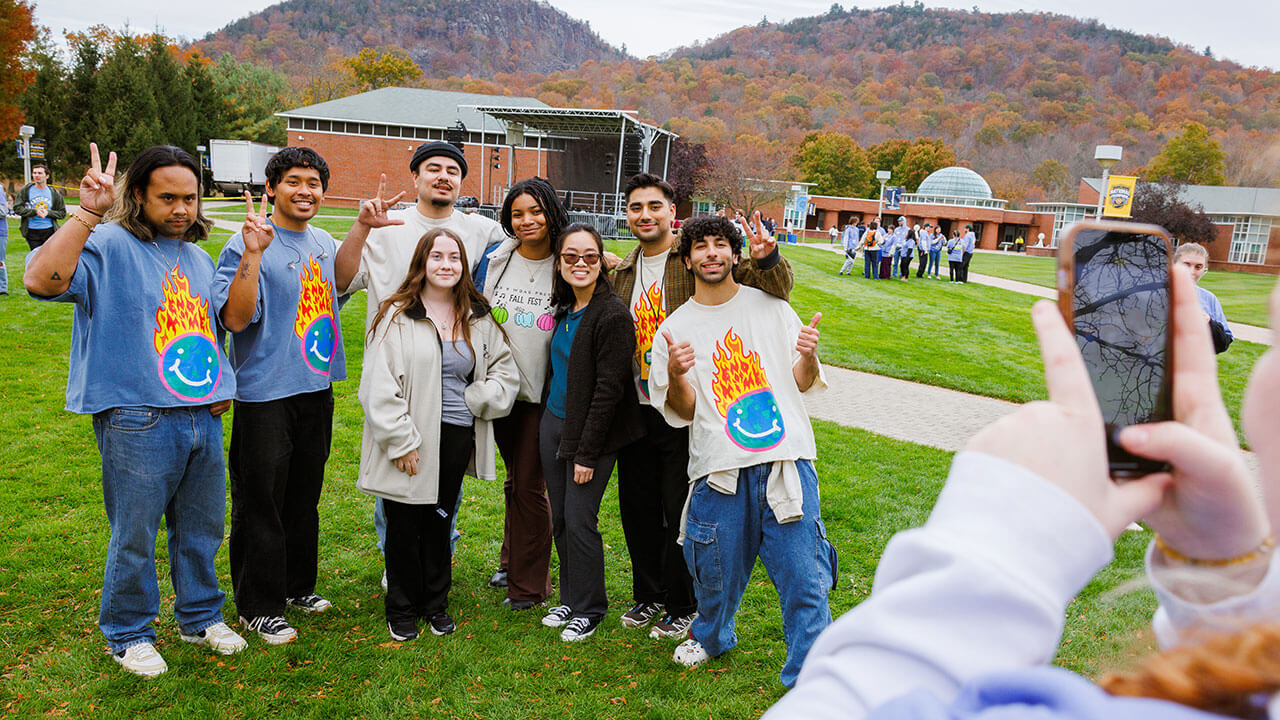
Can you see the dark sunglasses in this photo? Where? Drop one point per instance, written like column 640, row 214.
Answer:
column 571, row 258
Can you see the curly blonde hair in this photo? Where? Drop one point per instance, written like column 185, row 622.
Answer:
column 1222, row 674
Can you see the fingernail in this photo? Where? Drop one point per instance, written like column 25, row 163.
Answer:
column 1133, row 436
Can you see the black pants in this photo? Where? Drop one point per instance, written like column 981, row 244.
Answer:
column 964, row 267
column 419, row 571
column 954, row 270
column 278, row 452
column 575, row 513
column 653, row 481
column 904, row 266
column 923, row 258
column 37, row 236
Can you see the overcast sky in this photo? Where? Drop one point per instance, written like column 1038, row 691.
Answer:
column 1236, row 29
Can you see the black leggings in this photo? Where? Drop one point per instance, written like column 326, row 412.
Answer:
column 417, row 547
column 904, row 266
column 954, row 271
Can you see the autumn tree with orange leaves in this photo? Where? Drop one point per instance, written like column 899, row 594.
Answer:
column 16, row 30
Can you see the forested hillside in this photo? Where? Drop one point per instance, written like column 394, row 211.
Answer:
column 1008, row 92
column 444, row 37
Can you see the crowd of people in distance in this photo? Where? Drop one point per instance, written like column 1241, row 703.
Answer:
column 887, row 253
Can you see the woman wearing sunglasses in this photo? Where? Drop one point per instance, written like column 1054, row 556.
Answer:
column 591, row 412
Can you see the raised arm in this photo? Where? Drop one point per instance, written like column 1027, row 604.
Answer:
column 242, row 295
column 49, row 271
column 373, row 214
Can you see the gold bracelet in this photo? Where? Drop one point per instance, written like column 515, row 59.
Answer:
column 82, row 221
column 1268, row 544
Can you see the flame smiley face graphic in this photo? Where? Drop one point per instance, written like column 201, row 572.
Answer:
column 314, row 323
column 649, row 314
column 189, row 366
column 744, row 398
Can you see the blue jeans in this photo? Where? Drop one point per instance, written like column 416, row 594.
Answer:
column 933, row 262
column 870, row 263
column 723, row 537
column 160, row 462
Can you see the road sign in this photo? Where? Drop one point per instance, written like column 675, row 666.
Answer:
column 21, row 149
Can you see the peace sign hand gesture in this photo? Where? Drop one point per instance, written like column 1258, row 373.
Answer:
column 98, row 187
column 373, row 212
column 761, row 242
column 257, row 231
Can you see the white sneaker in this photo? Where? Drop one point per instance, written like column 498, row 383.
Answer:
column 220, row 638
column 690, row 653
column 141, row 659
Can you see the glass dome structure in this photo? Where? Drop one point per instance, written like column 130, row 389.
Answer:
column 957, row 182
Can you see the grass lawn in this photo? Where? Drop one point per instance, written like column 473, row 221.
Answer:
column 499, row 664
column 1243, row 295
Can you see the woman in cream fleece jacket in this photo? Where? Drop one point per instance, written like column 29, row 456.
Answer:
column 437, row 372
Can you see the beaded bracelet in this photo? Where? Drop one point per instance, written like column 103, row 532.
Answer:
column 82, row 221
column 1265, row 548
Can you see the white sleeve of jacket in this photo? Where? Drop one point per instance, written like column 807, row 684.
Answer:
column 383, row 392
column 981, row 587
column 493, row 396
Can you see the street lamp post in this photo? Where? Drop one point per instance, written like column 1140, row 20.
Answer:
column 26, row 131
column 883, row 176
column 1107, row 156
column 200, row 149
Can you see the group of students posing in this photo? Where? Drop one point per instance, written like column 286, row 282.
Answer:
column 481, row 338
column 887, row 254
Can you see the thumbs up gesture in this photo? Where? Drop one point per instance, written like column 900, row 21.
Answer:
column 679, row 356
column 807, row 343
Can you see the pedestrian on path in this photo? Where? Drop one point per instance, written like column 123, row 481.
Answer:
column 850, row 250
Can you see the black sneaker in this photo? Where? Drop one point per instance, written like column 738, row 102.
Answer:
column 499, row 579
column 557, row 616
column 274, row 629
column 640, row 614
column 402, row 630
column 312, row 603
column 442, row 624
column 580, row 628
column 672, row 627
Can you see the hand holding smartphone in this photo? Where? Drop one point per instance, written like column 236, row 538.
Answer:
column 1115, row 294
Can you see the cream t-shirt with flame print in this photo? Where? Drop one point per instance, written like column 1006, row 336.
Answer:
column 748, row 410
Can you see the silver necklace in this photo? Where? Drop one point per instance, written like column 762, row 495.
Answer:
column 171, row 268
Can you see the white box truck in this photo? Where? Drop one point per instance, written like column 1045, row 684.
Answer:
column 239, row 165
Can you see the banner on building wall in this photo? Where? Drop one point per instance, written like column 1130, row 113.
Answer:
column 893, row 198
column 1119, row 196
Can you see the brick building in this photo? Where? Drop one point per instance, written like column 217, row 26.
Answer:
column 584, row 153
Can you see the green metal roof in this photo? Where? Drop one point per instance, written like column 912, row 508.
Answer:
column 413, row 107
column 955, row 181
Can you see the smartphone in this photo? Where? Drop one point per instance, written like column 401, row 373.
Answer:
column 1115, row 293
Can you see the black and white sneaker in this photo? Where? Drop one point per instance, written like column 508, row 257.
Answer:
column 312, row 603
column 442, row 624
column 272, row 628
column 580, row 628
column 640, row 614
column 402, row 630
column 558, row 616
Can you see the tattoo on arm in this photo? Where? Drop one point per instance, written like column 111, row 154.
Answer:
column 55, row 276
column 244, row 271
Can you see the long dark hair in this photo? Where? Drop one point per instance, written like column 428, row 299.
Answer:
column 127, row 208
column 562, row 297
column 467, row 300
column 544, row 194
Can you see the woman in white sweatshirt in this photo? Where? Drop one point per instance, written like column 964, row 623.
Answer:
column 967, row 611
column 438, row 370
